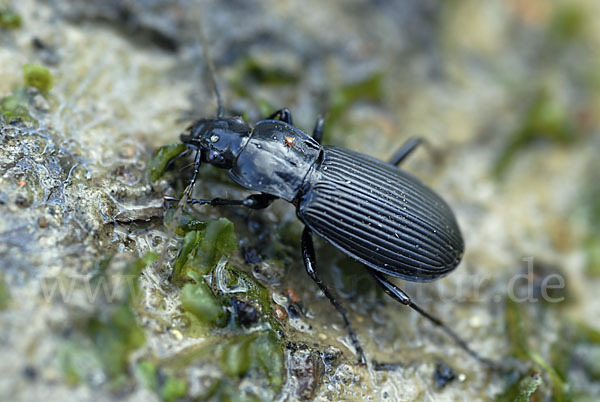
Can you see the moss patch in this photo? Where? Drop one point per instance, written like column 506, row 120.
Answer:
column 15, row 107
column 516, row 326
column 546, row 119
column 10, row 19
column 111, row 333
column 37, row 76
column 4, row 293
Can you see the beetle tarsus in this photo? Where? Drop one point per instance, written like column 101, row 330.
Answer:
column 255, row 201
column 308, row 255
column 400, row 296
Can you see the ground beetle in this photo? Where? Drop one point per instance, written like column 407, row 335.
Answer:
column 370, row 210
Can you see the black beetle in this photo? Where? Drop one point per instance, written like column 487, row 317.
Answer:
column 370, row 210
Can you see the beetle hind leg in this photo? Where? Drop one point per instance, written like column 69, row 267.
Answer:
column 308, row 255
column 399, row 295
column 407, row 148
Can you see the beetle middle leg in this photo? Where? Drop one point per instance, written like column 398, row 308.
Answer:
column 400, row 296
column 254, row 201
column 318, row 130
column 282, row 114
column 308, row 255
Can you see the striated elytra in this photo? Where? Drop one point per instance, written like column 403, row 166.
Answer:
column 380, row 216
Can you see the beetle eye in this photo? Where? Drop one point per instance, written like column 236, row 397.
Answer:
column 214, row 138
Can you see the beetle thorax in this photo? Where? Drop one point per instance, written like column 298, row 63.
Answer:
column 275, row 160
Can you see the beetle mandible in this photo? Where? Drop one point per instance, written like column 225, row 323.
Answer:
column 370, row 210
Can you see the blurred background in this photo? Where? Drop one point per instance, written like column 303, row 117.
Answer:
column 506, row 94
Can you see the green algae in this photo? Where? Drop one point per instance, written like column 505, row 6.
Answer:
column 546, row 119
column 254, row 290
column 161, row 158
column 342, row 98
column 147, row 374
column 115, row 337
column 169, row 387
column 182, row 222
column 225, row 390
column 202, row 250
column 254, row 70
column 10, row 19
column 528, row 386
column 77, row 362
column 199, row 300
column 265, row 108
column 267, row 355
column 4, row 293
column 568, row 22
column 260, row 351
column 117, row 334
column 257, row 355
column 589, row 209
column 112, row 329
column 200, row 253
column 37, row 76
column 520, row 348
column 15, row 107
column 235, row 358
column 173, row 389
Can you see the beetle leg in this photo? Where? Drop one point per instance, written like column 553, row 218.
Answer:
column 282, row 114
column 399, row 295
column 410, row 145
column 308, row 255
column 181, row 155
column 318, row 130
column 255, row 201
column 190, row 187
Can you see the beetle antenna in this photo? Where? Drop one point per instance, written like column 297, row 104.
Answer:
column 211, row 71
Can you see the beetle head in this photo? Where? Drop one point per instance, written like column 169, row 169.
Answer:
column 219, row 140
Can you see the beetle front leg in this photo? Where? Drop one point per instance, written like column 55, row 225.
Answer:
column 190, row 187
column 282, row 114
column 255, row 201
column 308, row 255
column 400, row 296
